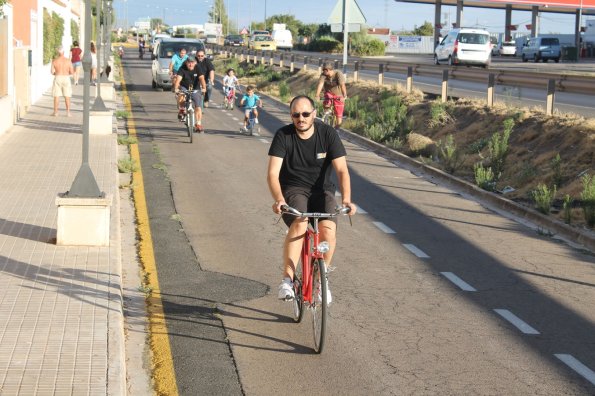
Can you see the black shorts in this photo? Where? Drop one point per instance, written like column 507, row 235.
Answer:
column 305, row 200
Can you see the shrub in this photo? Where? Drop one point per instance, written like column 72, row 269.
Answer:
column 325, row 44
column 588, row 198
column 368, row 46
column 556, row 165
column 284, row 91
column 440, row 114
column 449, row 155
column 484, row 177
column 567, row 208
column 544, row 197
column 498, row 147
column 127, row 165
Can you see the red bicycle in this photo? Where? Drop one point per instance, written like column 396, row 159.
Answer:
column 229, row 97
column 310, row 282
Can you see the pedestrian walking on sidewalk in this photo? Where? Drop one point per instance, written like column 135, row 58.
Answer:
column 62, row 70
column 93, row 64
column 76, row 59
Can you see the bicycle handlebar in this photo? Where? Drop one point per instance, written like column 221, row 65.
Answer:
column 340, row 210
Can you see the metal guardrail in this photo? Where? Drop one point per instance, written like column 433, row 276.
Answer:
column 571, row 83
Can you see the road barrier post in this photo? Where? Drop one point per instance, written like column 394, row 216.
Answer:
column 248, row 57
column 306, row 60
column 272, row 59
column 262, row 59
column 281, row 60
column 444, row 85
column 551, row 93
column 336, row 67
column 355, row 71
column 381, row 74
column 319, row 65
column 491, row 90
column 409, row 79
column 242, row 56
column 291, row 64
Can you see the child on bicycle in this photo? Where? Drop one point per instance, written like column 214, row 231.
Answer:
column 250, row 101
column 230, row 82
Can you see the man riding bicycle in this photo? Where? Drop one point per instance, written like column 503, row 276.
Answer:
column 301, row 157
column 189, row 77
column 335, row 91
column 206, row 67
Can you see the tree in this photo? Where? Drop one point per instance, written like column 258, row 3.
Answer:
column 427, row 29
column 2, row 2
column 218, row 14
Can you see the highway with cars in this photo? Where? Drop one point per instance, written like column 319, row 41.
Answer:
column 434, row 293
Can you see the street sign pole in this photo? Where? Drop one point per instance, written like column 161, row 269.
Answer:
column 345, row 34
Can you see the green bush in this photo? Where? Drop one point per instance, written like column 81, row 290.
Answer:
column 53, row 30
column 556, row 164
column 498, row 147
column 368, row 47
column 450, row 155
column 325, row 44
column 588, row 198
column 544, row 197
column 567, row 208
column 440, row 114
column 484, row 177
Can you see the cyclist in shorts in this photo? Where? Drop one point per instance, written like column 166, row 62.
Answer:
column 176, row 62
column 301, row 158
column 189, row 76
column 335, row 91
column 250, row 100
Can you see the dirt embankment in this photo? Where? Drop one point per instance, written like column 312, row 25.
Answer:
column 535, row 143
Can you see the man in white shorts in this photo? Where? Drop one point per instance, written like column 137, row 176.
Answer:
column 62, row 69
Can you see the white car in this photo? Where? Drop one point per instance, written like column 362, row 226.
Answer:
column 507, row 48
column 465, row 47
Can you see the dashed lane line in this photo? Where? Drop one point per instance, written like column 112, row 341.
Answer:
column 415, row 250
column 577, row 366
column 264, row 141
column 383, row 227
column 458, row 281
column 516, row 321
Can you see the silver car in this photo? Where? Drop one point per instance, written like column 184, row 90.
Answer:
column 162, row 54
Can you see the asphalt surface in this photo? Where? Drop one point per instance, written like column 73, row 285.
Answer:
column 435, row 294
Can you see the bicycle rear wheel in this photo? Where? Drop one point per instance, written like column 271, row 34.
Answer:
column 298, row 300
column 319, row 305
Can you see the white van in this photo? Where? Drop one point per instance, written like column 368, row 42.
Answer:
column 284, row 39
column 465, row 46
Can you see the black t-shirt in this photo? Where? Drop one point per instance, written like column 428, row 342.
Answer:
column 307, row 163
column 190, row 77
column 205, row 67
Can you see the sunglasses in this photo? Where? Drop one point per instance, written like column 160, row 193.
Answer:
column 304, row 114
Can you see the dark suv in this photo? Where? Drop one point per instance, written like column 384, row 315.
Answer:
column 234, row 40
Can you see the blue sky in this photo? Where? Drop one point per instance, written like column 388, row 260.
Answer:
column 379, row 13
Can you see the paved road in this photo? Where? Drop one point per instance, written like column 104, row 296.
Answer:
column 434, row 294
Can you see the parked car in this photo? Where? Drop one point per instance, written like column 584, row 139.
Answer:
column 263, row 42
column 465, row 46
column 542, row 48
column 507, row 48
column 234, row 40
column 165, row 48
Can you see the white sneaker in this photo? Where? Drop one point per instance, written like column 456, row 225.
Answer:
column 256, row 120
column 286, row 290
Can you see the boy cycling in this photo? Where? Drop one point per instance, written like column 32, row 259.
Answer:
column 250, row 101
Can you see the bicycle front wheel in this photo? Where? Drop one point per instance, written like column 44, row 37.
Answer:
column 319, row 305
column 190, row 121
column 298, row 300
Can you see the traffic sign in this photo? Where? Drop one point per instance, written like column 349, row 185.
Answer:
column 355, row 14
column 244, row 31
column 351, row 27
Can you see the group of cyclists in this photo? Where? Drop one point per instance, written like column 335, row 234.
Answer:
column 301, row 156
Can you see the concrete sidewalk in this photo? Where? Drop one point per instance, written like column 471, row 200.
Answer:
column 61, row 321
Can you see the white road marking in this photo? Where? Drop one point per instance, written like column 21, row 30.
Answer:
column 383, row 227
column 236, row 119
column 516, row 321
column 415, row 250
column 577, row 366
column 458, row 281
column 264, row 141
column 360, row 210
